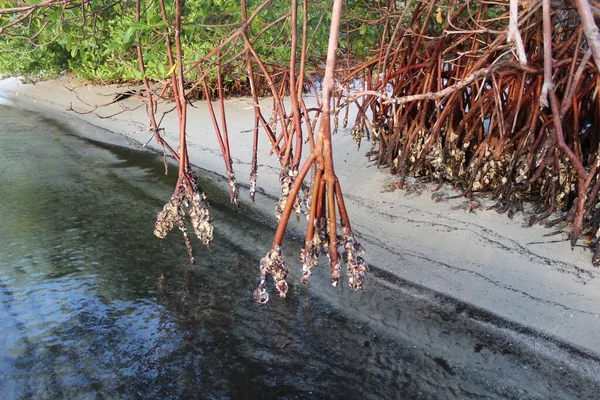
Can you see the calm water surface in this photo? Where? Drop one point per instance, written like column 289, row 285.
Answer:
column 92, row 305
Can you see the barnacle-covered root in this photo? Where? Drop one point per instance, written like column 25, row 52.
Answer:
column 309, row 258
column 287, row 178
column 252, row 185
column 356, row 268
column 234, row 190
column 319, row 244
column 187, row 195
column 305, row 203
column 171, row 214
column 357, row 135
column 272, row 264
column 335, row 273
column 200, row 218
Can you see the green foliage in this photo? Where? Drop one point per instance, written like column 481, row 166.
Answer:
column 21, row 58
column 97, row 41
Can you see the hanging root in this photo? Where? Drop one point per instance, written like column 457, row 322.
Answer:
column 252, row 185
column 325, row 194
column 234, row 190
column 272, row 264
column 321, row 239
column 187, row 195
column 355, row 265
column 286, row 178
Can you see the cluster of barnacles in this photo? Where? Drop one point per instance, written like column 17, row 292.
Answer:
column 356, row 268
column 274, row 265
column 286, row 178
column 189, row 195
column 234, row 191
column 567, row 178
column 309, row 256
column 357, row 134
column 488, row 174
column 305, row 202
column 252, row 185
column 492, row 169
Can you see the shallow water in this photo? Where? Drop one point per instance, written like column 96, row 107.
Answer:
column 92, row 305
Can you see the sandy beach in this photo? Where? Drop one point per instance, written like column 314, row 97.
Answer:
column 497, row 266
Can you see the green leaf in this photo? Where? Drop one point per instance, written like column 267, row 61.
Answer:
column 139, row 25
column 111, row 47
column 128, row 34
column 162, row 71
column 138, row 74
column 53, row 15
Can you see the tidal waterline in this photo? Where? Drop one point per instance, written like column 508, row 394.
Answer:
column 92, row 305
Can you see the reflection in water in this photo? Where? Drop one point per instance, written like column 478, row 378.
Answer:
column 92, row 305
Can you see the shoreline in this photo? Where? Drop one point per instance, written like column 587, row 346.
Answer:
column 483, row 259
